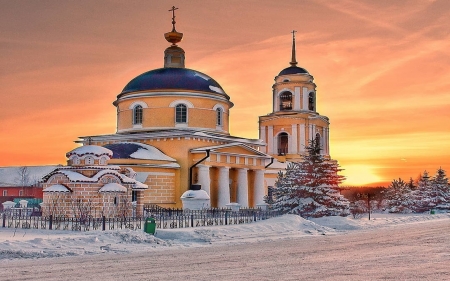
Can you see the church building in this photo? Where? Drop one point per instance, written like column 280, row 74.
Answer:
column 173, row 134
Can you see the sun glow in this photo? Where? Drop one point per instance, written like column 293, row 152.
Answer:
column 358, row 175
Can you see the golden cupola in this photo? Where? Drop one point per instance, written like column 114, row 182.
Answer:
column 174, row 56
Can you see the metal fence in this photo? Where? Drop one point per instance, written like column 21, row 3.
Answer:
column 74, row 224
column 164, row 219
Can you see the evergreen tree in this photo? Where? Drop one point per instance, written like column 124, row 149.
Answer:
column 423, row 194
column 310, row 188
column 399, row 197
column 441, row 190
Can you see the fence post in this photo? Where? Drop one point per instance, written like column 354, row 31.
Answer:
column 50, row 222
column 226, row 217
column 192, row 220
column 4, row 220
column 103, row 223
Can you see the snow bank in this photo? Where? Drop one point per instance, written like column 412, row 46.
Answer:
column 32, row 243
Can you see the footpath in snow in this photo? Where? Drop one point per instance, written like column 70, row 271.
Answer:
column 32, row 243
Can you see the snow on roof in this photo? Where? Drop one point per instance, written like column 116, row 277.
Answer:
column 77, row 177
column 113, row 187
column 57, row 188
column 10, row 176
column 137, row 150
column 139, row 186
column 90, row 149
column 175, row 133
column 195, row 195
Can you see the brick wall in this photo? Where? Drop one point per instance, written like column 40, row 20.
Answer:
column 161, row 188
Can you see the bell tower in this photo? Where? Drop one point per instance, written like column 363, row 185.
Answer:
column 294, row 119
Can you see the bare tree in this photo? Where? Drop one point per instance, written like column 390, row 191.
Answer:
column 82, row 210
column 23, row 176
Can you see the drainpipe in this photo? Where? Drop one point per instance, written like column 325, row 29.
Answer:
column 271, row 162
column 193, row 166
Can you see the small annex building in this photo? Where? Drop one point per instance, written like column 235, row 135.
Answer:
column 89, row 187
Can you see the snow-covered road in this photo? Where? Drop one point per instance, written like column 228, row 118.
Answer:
column 418, row 250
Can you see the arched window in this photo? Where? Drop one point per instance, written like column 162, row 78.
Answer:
column 311, row 102
column 286, row 101
column 137, row 115
column 283, row 143
column 181, row 113
column 75, row 160
column 318, row 140
column 219, row 116
column 102, row 161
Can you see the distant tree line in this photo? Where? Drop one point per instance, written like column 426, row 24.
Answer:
column 423, row 195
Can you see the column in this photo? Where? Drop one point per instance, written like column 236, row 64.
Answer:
column 258, row 188
column 305, row 99
column 328, row 141
column 224, row 187
column 262, row 136
column 276, row 107
column 242, row 187
column 203, row 178
column 270, row 140
column 324, row 140
column 294, row 146
column 302, row 137
column 297, row 101
column 310, row 134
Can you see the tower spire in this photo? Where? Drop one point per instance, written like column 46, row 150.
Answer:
column 293, row 60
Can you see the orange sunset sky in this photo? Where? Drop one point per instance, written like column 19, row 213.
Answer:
column 382, row 70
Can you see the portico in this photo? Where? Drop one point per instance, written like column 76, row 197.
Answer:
column 233, row 173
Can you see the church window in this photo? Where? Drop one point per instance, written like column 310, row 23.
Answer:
column 286, row 101
column 89, row 160
column 75, row 160
column 109, row 179
column 137, row 115
column 181, row 113
column 311, row 101
column 318, row 139
column 283, row 143
column 102, row 161
column 219, row 116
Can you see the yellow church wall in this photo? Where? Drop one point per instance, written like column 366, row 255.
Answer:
column 159, row 114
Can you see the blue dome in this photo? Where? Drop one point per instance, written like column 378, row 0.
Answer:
column 293, row 70
column 174, row 78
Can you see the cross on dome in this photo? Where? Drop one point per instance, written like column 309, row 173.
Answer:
column 173, row 17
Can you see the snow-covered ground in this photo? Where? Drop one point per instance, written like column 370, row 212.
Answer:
column 31, row 243
column 388, row 247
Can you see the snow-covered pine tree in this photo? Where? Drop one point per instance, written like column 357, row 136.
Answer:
column 399, row 197
column 310, row 188
column 423, row 194
column 441, row 190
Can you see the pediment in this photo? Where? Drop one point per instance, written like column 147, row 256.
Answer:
column 232, row 149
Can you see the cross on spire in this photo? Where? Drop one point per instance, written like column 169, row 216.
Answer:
column 293, row 60
column 173, row 17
